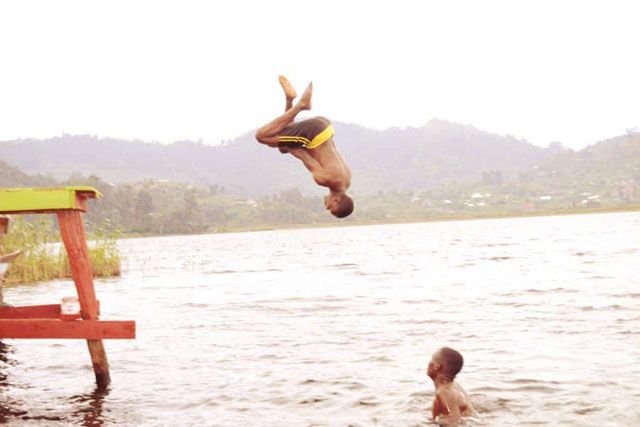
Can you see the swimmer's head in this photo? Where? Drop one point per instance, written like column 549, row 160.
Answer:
column 339, row 204
column 445, row 362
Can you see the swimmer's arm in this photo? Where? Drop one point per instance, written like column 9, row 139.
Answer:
column 435, row 409
column 445, row 404
column 319, row 173
column 439, row 408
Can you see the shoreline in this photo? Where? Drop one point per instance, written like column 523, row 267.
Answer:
column 364, row 223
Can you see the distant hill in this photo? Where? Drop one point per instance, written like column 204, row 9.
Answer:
column 612, row 159
column 13, row 177
column 441, row 170
column 394, row 159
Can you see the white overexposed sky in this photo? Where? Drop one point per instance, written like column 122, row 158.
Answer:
column 545, row 71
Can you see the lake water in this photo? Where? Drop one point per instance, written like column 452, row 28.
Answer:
column 334, row 327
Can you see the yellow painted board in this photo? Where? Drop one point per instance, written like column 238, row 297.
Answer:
column 42, row 199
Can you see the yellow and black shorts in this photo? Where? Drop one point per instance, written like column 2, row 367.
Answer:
column 310, row 133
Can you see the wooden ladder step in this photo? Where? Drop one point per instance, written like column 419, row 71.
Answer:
column 51, row 311
column 57, row 329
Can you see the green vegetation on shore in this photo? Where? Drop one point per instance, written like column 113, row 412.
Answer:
column 417, row 220
column 43, row 258
column 161, row 207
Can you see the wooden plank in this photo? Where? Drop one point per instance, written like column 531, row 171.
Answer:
column 39, row 200
column 60, row 329
column 51, row 311
column 4, row 225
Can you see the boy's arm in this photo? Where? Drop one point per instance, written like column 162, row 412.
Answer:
column 320, row 175
column 435, row 409
column 438, row 407
column 446, row 405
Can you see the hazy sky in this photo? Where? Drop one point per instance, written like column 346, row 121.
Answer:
column 546, row 71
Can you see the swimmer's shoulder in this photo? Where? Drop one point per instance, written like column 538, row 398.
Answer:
column 454, row 394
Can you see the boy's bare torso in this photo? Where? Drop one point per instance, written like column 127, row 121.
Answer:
column 333, row 166
column 451, row 402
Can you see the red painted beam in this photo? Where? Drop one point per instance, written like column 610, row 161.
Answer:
column 82, row 329
column 75, row 242
column 31, row 312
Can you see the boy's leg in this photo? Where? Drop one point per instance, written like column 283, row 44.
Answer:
column 268, row 134
column 289, row 92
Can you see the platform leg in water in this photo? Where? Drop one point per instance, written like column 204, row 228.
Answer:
column 75, row 242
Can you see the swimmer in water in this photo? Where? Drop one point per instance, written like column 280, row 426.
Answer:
column 451, row 401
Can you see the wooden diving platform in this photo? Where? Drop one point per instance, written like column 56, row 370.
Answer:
column 55, row 321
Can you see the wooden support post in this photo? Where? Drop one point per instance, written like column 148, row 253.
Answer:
column 75, row 242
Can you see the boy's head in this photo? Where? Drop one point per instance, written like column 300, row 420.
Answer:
column 445, row 362
column 339, row 204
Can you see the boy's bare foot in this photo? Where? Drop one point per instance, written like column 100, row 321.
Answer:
column 289, row 91
column 305, row 100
